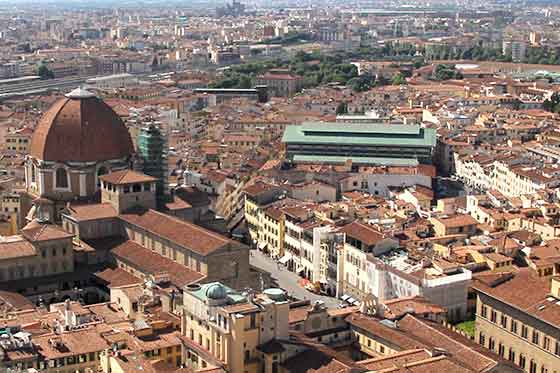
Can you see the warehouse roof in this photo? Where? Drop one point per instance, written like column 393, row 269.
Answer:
column 360, row 134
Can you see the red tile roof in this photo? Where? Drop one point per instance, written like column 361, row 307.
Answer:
column 150, row 262
column 522, row 290
column 127, row 177
column 45, row 232
column 16, row 249
column 363, row 232
column 188, row 235
column 92, row 211
column 80, row 130
column 115, row 277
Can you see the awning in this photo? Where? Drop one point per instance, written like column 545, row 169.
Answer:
column 350, row 300
column 357, row 303
column 262, row 245
column 345, row 297
column 285, row 259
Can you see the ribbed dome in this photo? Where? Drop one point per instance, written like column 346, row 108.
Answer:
column 216, row 291
column 80, row 127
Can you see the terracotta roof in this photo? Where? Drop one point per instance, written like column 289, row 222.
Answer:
column 14, row 301
column 188, row 235
column 363, row 232
column 298, row 314
column 177, row 204
column 257, row 188
column 72, row 343
column 522, row 290
column 193, row 196
column 115, row 277
column 396, row 360
column 149, row 262
column 428, row 365
column 80, row 129
column 460, row 220
column 397, row 308
column 463, row 350
column 16, row 249
column 315, row 361
column 393, row 336
column 127, row 177
column 45, row 232
column 92, row 211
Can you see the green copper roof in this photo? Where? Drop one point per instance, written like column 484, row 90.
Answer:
column 210, row 291
column 360, row 134
column 356, row 160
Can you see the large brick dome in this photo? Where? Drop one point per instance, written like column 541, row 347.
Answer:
column 80, row 127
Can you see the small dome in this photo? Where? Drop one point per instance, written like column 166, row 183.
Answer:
column 80, row 127
column 275, row 294
column 216, row 291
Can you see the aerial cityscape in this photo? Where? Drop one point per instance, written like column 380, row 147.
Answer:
column 279, row 186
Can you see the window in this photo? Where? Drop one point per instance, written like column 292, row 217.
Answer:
column 253, row 321
column 501, row 349
column 61, row 178
column 524, row 331
column 491, row 344
column 546, row 343
column 484, row 311
column 557, row 348
column 522, row 361
column 513, row 326
column 493, row 316
column 535, row 337
column 511, row 356
column 532, row 366
column 503, row 321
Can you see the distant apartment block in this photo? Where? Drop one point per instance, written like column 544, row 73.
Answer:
column 281, row 83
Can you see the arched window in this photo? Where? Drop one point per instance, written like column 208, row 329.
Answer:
column 532, row 366
column 33, row 171
column 522, row 361
column 61, row 178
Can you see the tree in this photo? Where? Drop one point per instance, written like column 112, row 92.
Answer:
column 44, row 72
column 342, row 108
column 553, row 103
column 398, row 79
column 361, row 83
column 446, row 72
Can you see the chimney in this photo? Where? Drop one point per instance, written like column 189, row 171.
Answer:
column 67, row 314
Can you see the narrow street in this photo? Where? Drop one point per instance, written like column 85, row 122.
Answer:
column 287, row 280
